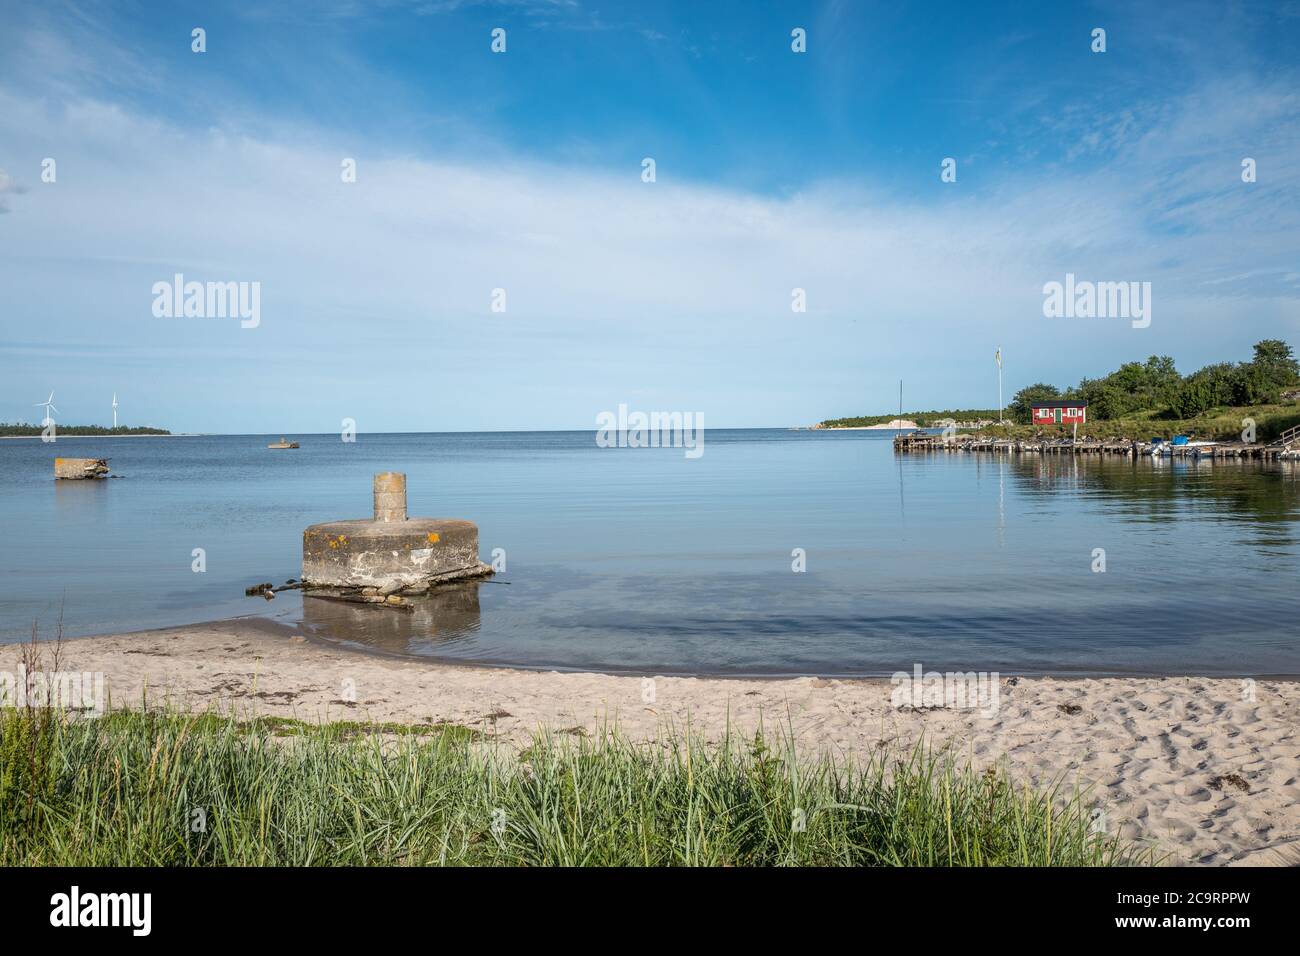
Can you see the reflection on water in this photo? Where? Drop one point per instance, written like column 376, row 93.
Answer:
column 77, row 501
column 1255, row 502
column 448, row 614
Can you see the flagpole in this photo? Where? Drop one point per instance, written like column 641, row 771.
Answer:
column 1001, row 416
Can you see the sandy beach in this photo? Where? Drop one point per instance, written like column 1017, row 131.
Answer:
column 1188, row 765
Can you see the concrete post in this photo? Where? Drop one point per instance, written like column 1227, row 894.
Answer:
column 390, row 496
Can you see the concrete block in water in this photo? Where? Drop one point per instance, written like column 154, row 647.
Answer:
column 391, row 552
column 77, row 468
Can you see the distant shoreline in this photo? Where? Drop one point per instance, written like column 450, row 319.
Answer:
column 898, row 424
column 62, row 435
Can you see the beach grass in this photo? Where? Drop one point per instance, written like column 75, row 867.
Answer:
column 141, row 788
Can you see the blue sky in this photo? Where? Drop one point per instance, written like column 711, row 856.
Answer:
column 522, row 171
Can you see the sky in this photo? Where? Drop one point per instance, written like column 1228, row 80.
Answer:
column 522, row 171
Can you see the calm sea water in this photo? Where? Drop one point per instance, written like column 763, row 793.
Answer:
column 642, row 560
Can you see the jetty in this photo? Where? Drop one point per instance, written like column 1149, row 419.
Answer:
column 1285, row 447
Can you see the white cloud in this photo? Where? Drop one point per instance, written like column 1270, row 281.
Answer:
column 678, row 289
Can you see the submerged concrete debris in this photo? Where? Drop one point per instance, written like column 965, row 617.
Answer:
column 381, row 560
column 80, row 468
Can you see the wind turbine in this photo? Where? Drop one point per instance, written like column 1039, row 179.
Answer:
column 48, row 405
column 115, row 410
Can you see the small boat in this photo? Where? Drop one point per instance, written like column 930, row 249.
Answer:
column 283, row 444
column 1161, row 447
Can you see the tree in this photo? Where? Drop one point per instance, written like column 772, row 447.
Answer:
column 1021, row 407
column 1207, row 388
column 1253, row 385
column 1274, row 360
column 1193, row 397
column 1162, row 379
column 1107, row 401
column 1133, row 387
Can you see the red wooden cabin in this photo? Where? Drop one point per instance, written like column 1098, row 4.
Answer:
column 1065, row 411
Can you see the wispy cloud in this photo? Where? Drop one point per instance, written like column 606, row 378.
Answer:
column 677, row 291
column 404, row 260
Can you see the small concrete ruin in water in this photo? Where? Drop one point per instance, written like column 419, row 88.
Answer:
column 76, row 469
column 379, row 560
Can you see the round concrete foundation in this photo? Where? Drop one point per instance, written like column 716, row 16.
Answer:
column 391, row 553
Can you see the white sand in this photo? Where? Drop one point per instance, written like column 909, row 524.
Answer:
column 1150, row 748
